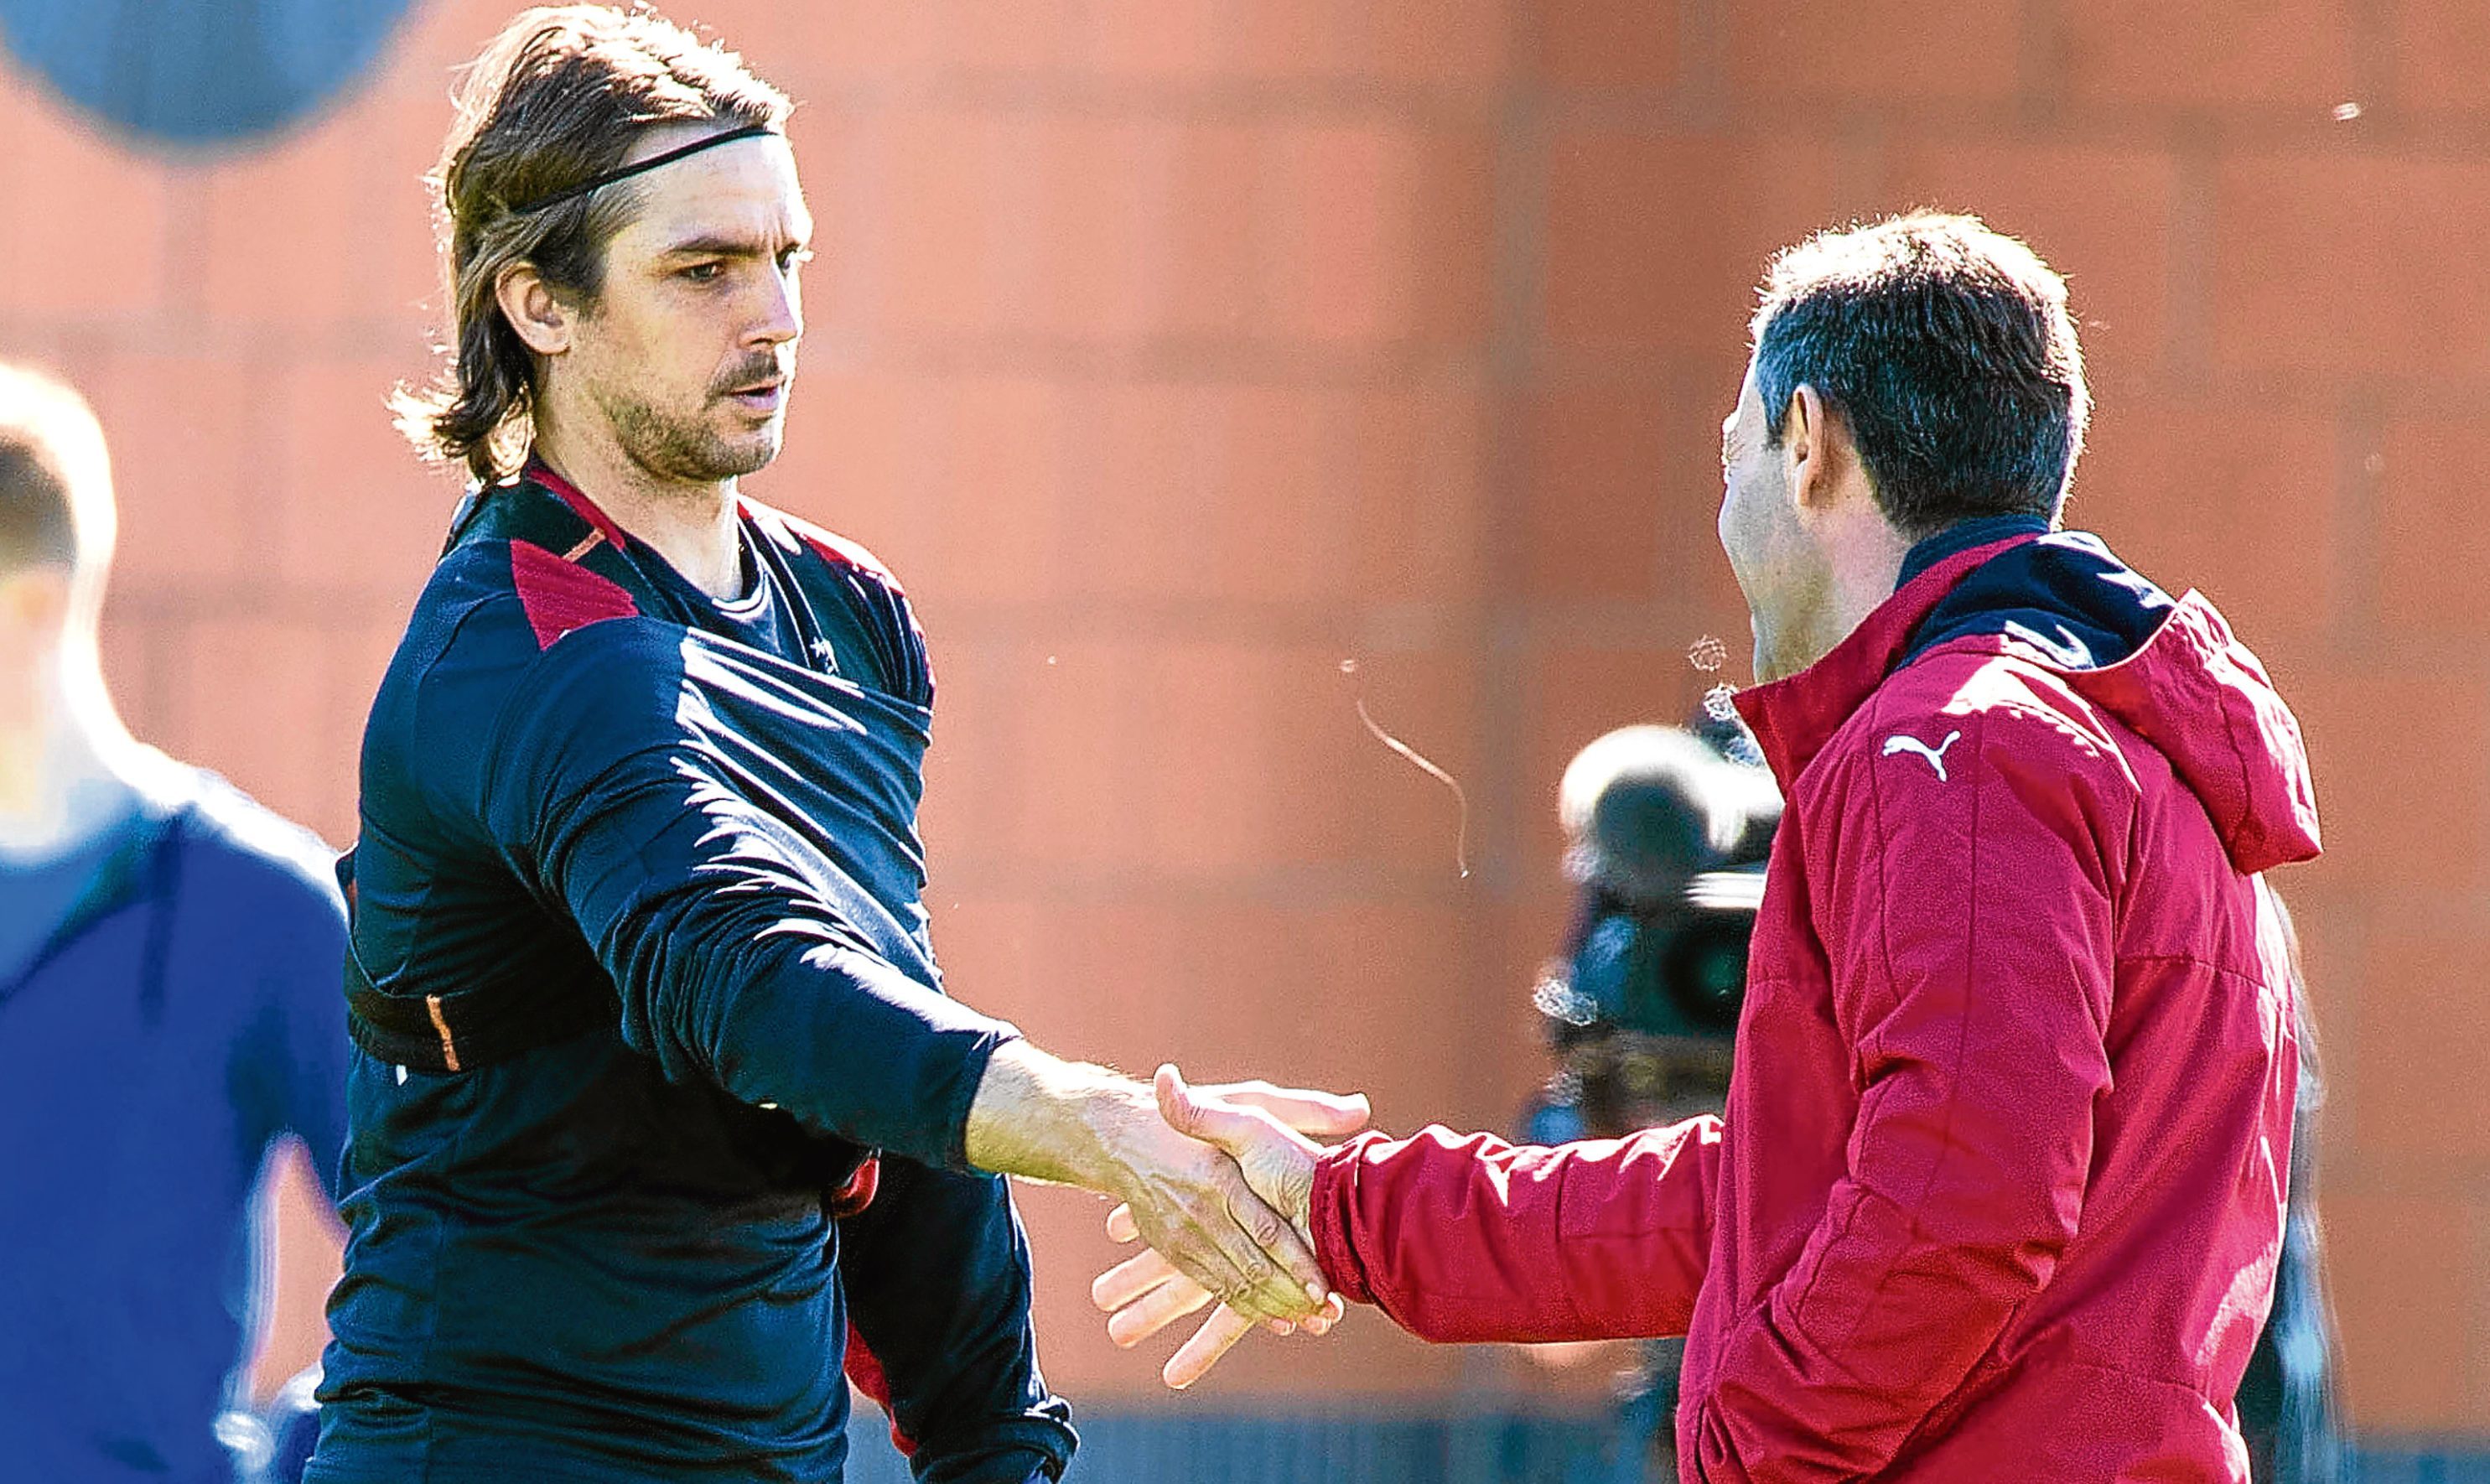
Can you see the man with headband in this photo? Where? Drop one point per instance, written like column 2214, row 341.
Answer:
column 660, row 1114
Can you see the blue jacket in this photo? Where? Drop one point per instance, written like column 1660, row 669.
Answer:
column 177, row 1022
column 641, row 976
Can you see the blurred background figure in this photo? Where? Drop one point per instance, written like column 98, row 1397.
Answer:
column 169, row 1010
column 2290, row 1412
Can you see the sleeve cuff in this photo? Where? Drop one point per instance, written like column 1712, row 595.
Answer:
column 970, row 1076
column 1335, row 1193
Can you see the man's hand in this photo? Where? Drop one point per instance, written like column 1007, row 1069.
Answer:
column 1262, row 1127
column 1044, row 1119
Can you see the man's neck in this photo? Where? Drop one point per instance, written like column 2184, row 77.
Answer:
column 1858, row 580
column 65, row 773
column 691, row 525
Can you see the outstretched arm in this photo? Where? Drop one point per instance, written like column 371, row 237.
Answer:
column 1462, row 1239
column 737, row 952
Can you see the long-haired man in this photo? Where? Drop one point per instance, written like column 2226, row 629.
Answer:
column 662, row 1113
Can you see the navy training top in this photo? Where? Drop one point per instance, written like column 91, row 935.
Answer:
column 177, row 1019
column 609, row 1255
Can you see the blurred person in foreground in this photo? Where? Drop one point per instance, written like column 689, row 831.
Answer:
column 1999, row 1192
column 660, row 1115
column 168, row 1012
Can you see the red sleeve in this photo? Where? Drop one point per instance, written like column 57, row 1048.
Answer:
column 1967, row 918
column 1473, row 1239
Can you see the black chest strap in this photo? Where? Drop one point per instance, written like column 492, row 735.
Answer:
column 466, row 1028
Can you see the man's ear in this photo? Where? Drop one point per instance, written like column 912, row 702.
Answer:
column 533, row 313
column 35, row 600
column 1817, row 449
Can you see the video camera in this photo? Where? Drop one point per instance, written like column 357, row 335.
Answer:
column 1668, row 830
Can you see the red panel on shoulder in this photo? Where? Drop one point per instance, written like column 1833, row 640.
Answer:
column 830, row 548
column 562, row 596
column 839, row 551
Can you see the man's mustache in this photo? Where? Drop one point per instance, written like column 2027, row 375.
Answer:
column 751, row 372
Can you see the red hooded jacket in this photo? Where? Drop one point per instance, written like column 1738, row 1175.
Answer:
column 1999, row 1193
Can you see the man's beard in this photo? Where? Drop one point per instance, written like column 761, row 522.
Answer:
column 681, row 448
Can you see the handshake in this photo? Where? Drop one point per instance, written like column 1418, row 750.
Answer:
column 1217, row 1181
column 1263, row 1130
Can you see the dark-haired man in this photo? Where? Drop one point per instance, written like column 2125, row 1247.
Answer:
column 2000, row 1187
column 168, row 1011
column 640, row 974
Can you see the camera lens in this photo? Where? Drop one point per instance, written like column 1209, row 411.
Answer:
column 1706, row 970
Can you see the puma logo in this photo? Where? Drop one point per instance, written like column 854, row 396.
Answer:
column 1935, row 755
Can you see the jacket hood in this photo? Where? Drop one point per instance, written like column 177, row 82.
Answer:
column 2171, row 671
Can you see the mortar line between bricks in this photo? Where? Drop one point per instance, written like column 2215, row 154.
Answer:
column 1703, row 61
column 1519, row 226
column 1226, row 101
column 1385, row 628
column 392, row 344
column 2346, row 924
column 2187, row 350
column 1500, row 728
column 2040, row 61
column 2268, row 129
column 2360, row 443
column 173, row 601
column 1697, row 101
column 1260, row 362
column 2373, row 58
column 185, row 268
column 2398, row 1173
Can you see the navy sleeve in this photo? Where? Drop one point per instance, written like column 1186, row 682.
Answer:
column 719, row 924
column 937, row 1276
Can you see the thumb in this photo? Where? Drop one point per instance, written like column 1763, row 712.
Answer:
column 1308, row 1111
column 1189, row 1115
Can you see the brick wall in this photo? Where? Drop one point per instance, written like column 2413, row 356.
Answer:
column 1176, row 352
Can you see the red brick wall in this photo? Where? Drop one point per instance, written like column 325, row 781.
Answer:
column 1176, row 352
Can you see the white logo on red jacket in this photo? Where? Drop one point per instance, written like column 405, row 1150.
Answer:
column 1935, row 755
